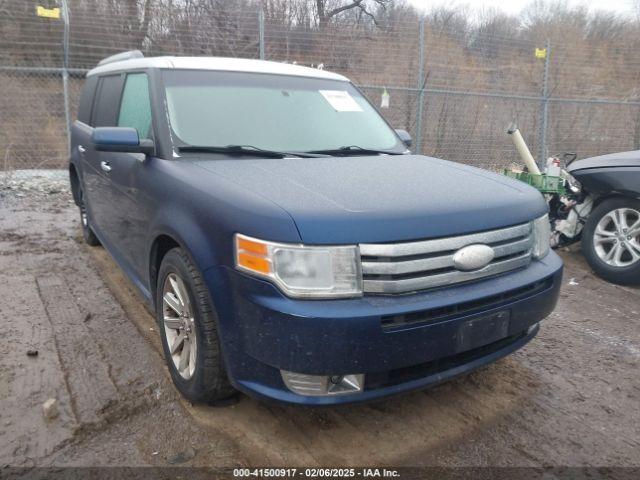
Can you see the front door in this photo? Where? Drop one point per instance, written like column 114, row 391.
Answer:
column 126, row 217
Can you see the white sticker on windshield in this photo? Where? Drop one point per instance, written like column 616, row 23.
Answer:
column 341, row 101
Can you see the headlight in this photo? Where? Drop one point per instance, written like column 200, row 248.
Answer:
column 541, row 236
column 574, row 185
column 302, row 271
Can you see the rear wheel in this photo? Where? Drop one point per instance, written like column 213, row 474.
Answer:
column 611, row 240
column 189, row 330
column 87, row 233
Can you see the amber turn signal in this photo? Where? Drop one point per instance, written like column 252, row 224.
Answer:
column 251, row 246
column 252, row 255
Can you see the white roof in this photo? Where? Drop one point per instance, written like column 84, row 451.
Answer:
column 217, row 63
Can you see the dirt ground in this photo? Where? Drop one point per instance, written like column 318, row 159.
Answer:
column 569, row 398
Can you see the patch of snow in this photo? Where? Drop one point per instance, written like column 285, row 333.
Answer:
column 42, row 181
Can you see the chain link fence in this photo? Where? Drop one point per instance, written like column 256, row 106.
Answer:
column 455, row 93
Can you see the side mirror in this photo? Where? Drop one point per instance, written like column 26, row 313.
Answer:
column 120, row 139
column 404, row 136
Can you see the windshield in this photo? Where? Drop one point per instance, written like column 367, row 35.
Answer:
column 271, row 112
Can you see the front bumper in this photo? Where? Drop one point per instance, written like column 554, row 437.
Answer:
column 263, row 332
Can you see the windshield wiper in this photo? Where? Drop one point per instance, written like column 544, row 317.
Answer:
column 243, row 150
column 354, row 150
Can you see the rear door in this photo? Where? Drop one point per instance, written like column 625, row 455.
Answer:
column 97, row 176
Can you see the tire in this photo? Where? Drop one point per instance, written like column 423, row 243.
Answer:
column 87, row 233
column 207, row 380
column 611, row 248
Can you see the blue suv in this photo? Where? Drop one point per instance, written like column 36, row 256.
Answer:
column 290, row 244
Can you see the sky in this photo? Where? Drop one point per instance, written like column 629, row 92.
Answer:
column 514, row 6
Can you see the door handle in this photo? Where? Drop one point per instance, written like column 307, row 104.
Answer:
column 105, row 166
column 81, row 149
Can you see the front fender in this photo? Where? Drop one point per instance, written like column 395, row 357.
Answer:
column 185, row 229
column 201, row 211
column 188, row 233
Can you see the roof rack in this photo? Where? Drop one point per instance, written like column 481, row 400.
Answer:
column 118, row 57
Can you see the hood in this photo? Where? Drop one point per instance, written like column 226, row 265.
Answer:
column 621, row 159
column 616, row 173
column 368, row 199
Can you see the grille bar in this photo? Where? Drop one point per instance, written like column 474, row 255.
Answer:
column 434, row 263
column 443, row 244
column 407, row 267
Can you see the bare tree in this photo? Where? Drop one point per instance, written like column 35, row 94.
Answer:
column 328, row 9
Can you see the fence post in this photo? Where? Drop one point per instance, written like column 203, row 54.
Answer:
column 544, row 115
column 420, row 106
column 65, row 71
column 261, row 32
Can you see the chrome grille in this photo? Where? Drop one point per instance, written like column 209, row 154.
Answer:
column 409, row 267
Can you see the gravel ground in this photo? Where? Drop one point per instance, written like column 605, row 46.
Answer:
column 570, row 398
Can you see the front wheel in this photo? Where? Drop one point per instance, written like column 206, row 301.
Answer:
column 611, row 240
column 189, row 330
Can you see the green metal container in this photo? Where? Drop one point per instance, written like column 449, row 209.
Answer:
column 544, row 183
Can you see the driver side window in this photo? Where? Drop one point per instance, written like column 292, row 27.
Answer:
column 135, row 107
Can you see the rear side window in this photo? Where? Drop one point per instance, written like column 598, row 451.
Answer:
column 86, row 99
column 105, row 108
column 135, row 108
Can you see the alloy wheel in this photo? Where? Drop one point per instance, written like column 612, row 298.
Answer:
column 617, row 237
column 179, row 325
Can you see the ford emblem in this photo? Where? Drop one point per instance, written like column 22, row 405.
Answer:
column 473, row 257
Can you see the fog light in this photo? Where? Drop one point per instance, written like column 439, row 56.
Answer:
column 322, row 385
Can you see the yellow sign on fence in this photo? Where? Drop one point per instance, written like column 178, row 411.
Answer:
column 541, row 53
column 48, row 12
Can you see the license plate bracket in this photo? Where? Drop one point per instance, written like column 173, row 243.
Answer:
column 481, row 331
